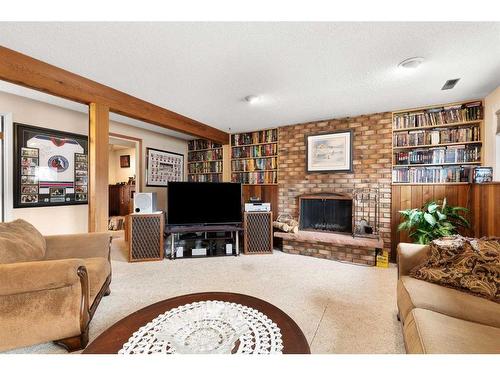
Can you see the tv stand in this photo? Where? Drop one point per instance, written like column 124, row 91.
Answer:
column 176, row 230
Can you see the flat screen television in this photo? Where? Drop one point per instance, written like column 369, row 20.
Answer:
column 203, row 203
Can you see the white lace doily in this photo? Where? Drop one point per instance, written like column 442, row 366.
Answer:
column 263, row 336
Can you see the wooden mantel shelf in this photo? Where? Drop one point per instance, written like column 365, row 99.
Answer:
column 331, row 238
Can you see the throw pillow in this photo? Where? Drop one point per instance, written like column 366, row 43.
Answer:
column 468, row 264
column 20, row 242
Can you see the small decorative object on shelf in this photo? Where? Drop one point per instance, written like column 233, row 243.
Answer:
column 437, row 144
column 255, row 157
column 483, row 174
column 204, row 161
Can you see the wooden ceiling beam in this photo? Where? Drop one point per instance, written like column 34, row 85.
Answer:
column 26, row 71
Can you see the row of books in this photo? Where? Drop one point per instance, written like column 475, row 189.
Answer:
column 437, row 136
column 255, row 177
column 438, row 116
column 208, row 155
column 205, row 178
column 205, row 167
column 432, row 174
column 439, row 155
column 254, row 151
column 263, row 136
column 254, row 164
column 202, row 144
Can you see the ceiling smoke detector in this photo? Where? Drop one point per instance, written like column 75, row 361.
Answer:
column 448, row 85
column 411, row 63
column 251, row 99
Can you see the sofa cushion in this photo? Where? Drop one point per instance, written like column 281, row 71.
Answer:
column 20, row 242
column 427, row 331
column 413, row 293
column 98, row 269
column 468, row 264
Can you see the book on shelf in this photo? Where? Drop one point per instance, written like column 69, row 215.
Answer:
column 436, row 136
column 258, row 177
column 439, row 116
column 254, row 151
column 263, row 136
column 205, row 167
column 202, row 144
column 250, row 165
column 439, row 155
column 205, row 177
column 432, row 174
column 206, row 155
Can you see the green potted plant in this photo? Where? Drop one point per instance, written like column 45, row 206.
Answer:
column 433, row 220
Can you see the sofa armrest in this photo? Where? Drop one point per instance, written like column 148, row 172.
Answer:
column 24, row 277
column 85, row 245
column 409, row 256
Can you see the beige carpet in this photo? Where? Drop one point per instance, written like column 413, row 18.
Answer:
column 341, row 308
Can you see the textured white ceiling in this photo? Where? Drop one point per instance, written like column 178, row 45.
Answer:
column 302, row 71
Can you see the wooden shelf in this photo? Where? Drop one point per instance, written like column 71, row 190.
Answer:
column 256, row 144
column 256, row 157
column 435, row 164
column 205, row 149
column 257, row 170
column 438, row 145
column 198, row 173
column 204, row 161
column 454, row 124
column 429, row 183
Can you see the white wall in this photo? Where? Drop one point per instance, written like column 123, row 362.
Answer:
column 116, row 173
column 74, row 219
column 491, row 139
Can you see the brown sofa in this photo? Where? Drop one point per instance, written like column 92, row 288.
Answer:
column 438, row 319
column 50, row 286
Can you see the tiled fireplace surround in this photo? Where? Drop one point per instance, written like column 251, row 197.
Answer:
column 372, row 166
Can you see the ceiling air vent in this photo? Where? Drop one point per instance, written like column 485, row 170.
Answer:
column 448, row 85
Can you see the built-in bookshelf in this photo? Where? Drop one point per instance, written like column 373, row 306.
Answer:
column 254, row 157
column 438, row 144
column 204, row 161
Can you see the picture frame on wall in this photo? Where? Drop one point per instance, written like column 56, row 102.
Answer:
column 50, row 167
column 163, row 167
column 329, row 152
column 124, row 161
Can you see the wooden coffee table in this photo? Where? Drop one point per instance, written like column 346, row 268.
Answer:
column 112, row 340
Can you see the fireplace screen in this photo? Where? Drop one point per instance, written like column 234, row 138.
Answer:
column 326, row 212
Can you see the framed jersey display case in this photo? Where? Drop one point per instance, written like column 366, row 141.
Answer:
column 50, row 167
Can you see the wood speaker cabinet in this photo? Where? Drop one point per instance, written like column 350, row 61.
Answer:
column 145, row 237
column 258, row 235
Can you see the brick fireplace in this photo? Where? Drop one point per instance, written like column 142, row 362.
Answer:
column 372, row 167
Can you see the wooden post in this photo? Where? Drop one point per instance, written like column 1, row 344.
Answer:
column 98, row 167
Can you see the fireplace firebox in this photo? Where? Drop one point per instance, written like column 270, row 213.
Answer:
column 327, row 212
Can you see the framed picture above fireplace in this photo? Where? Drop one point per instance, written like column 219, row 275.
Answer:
column 329, row 152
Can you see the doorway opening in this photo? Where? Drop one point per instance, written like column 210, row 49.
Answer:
column 125, row 165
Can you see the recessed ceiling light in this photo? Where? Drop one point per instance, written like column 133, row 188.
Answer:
column 411, row 63
column 251, row 99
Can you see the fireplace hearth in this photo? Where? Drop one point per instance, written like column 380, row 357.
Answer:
column 326, row 212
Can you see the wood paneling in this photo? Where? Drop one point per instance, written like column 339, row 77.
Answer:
column 486, row 209
column 98, row 167
column 268, row 193
column 483, row 201
column 38, row 75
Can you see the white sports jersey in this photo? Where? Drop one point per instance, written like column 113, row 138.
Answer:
column 56, row 157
